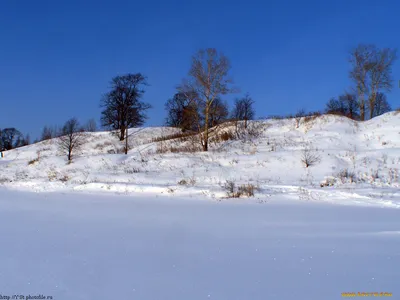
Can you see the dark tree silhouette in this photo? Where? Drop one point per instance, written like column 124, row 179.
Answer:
column 10, row 138
column 71, row 138
column 122, row 106
column 381, row 105
column 243, row 109
column 346, row 105
column 219, row 113
column 182, row 112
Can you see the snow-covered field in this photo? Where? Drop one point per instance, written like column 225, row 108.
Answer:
column 157, row 224
column 79, row 246
column 358, row 163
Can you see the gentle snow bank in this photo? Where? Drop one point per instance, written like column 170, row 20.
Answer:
column 358, row 163
column 75, row 246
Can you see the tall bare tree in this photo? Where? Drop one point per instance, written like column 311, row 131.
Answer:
column 90, row 126
column 371, row 70
column 123, row 107
column 380, row 75
column 71, row 138
column 360, row 66
column 243, row 109
column 208, row 79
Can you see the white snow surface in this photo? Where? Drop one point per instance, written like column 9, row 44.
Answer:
column 80, row 246
column 151, row 225
column 271, row 162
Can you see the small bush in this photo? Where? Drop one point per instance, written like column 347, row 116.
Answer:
column 226, row 136
column 180, row 135
column 247, row 190
column 310, row 157
column 346, row 175
column 312, row 116
column 32, row 161
column 243, row 190
column 132, row 170
column 189, row 181
column 64, row 178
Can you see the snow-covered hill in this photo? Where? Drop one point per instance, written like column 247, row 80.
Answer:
column 358, row 163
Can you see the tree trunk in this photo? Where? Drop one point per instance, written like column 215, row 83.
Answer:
column 372, row 100
column 205, row 142
column 122, row 133
column 245, row 123
column 126, row 141
column 362, row 108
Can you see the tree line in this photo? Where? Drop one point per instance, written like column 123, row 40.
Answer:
column 198, row 103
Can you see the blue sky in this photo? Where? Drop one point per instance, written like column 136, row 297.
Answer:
column 57, row 57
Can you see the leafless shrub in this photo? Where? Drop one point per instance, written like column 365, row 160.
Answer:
column 179, row 135
column 254, row 129
column 185, row 149
column 64, row 178
column 189, row 181
column 223, row 137
column 243, row 190
column 32, row 161
column 375, row 174
column 230, row 188
column 310, row 157
column 247, row 190
column 346, row 175
column 311, row 116
column 132, row 170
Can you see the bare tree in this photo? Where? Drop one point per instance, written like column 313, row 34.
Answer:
column 381, row 105
column 360, row 65
column 181, row 111
column 346, row 105
column 350, row 104
column 309, row 156
column 90, row 126
column 243, row 109
column 49, row 132
column 380, row 75
column 371, row 72
column 72, row 138
column 335, row 107
column 208, row 80
column 123, row 107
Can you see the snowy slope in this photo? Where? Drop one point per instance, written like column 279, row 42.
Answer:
column 272, row 162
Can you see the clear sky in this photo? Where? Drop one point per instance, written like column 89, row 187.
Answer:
column 57, row 57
